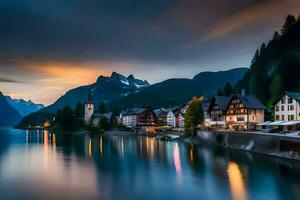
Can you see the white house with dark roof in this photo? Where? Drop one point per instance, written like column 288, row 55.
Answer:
column 244, row 112
column 287, row 107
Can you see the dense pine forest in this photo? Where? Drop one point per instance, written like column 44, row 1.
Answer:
column 275, row 67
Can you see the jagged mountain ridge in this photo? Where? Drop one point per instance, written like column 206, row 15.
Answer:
column 104, row 89
column 24, row 107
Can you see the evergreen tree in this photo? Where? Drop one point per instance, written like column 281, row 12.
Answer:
column 220, row 92
column 79, row 110
column 103, row 123
column 228, row 89
column 102, row 108
column 289, row 22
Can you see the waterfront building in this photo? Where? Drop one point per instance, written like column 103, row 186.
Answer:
column 161, row 116
column 175, row 117
column 171, row 119
column 217, row 111
column 138, row 117
column 244, row 112
column 204, row 108
column 287, row 107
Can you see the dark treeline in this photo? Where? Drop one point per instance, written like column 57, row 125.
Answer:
column 275, row 67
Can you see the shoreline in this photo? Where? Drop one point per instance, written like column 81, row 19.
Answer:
column 275, row 145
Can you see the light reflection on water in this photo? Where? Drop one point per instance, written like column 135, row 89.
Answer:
column 47, row 165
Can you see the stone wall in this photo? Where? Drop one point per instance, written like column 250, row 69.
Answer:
column 274, row 145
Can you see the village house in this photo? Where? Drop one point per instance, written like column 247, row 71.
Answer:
column 175, row 117
column 161, row 116
column 138, row 117
column 286, row 112
column 287, row 107
column 244, row 112
column 204, row 108
column 217, row 112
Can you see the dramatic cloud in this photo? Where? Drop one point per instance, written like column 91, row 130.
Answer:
column 7, row 80
column 54, row 45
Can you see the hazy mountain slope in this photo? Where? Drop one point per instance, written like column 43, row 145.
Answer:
column 8, row 115
column 24, row 107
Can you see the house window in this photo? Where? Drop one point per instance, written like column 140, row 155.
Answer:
column 291, row 107
column 290, row 100
column 282, row 117
column 282, row 108
column 277, row 108
column 283, row 100
column 288, row 117
column 292, row 117
column 277, row 117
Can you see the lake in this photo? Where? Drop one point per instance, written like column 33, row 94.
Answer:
column 45, row 165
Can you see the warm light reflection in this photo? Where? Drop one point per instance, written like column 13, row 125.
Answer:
column 177, row 161
column 237, row 182
column 54, row 140
column 191, row 153
column 101, row 145
column 90, row 148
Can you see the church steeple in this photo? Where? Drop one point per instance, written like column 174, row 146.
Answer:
column 90, row 100
column 89, row 107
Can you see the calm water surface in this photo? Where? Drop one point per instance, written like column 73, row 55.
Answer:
column 44, row 165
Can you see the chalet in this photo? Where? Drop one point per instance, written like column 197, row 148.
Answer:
column 287, row 107
column 244, row 112
column 175, row 117
column 138, row 117
column 217, row 111
column 204, row 109
column 161, row 116
column 171, row 119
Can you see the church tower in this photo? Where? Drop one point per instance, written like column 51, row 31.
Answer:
column 89, row 108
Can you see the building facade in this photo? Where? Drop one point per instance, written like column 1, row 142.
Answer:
column 217, row 111
column 138, row 117
column 244, row 112
column 161, row 117
column 287, row 107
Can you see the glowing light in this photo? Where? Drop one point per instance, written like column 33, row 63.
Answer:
column 191, row 153
column 90, row 148
column 46, row 124
column 101, row 146
column 236, row 181
column 177, row 161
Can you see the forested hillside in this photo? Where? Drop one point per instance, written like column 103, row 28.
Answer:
column 275, row 66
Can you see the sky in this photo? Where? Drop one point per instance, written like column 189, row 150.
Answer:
column 48, row 47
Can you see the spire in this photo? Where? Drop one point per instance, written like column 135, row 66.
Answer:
column 90, row 100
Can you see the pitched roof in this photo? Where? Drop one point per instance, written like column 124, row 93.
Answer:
column 250, row 101
column 106, row 115
column 222, row 102
column 294, row 95
column 161, row 111
column 133, row 111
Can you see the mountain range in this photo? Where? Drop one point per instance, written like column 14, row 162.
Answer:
column 177, row 91
column 120, row 92
column 8, row 114
column 24, row 107
column 105, row 89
